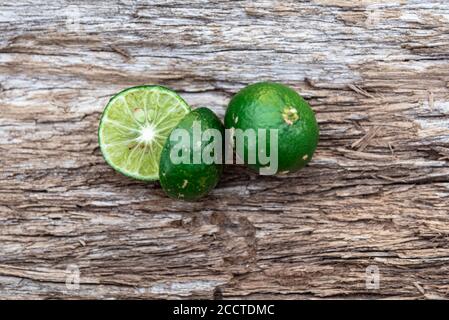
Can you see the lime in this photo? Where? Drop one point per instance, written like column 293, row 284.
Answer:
column 197, row 174
column 134, row 126
column 268, row 105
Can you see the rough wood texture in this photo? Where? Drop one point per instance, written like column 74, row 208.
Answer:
column 376, row 193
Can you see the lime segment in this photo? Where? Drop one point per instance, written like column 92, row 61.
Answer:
column 134, row 126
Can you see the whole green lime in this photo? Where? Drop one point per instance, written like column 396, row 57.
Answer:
column 192, row 157
column 268, row 105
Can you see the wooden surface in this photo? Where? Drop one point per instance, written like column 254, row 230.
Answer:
column 376, row 193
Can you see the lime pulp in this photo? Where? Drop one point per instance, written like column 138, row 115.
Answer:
column 134, row 127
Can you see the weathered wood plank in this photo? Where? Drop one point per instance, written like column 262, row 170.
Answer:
column 376, row 193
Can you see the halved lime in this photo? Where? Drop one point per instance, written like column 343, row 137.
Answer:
column 134, row 126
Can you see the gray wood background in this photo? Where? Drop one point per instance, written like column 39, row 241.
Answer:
column 376, row 194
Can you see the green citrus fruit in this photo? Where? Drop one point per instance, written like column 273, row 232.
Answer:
column 184, row 171
column 268, row 105
column 134, row 126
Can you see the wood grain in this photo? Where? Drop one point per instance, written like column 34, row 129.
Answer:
column 376, row 193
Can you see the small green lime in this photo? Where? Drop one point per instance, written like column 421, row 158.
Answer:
column 268, row 105
column 191, row 167
column 134, row 126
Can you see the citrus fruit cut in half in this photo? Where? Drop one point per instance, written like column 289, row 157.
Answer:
column 192, row 158
column 134, row 126
column 268, row 105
